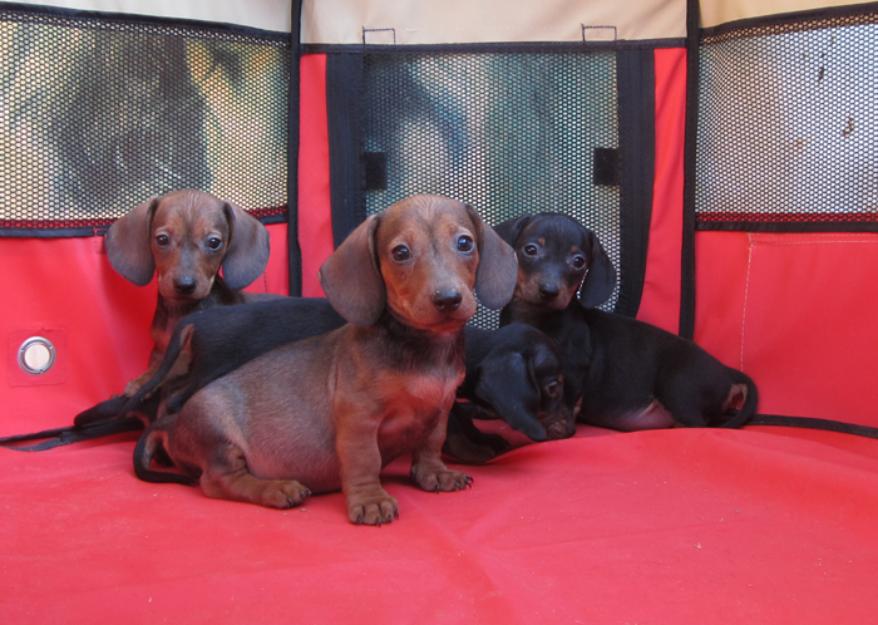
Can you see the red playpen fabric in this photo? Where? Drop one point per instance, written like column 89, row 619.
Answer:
column 315, row 206
column 684, row 527
column 660, row 302
column 66, row 291
column 797, row 313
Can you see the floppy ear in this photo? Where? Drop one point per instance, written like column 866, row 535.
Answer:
column 601, row 277
column 248, row 249
column 128, row 243
column 498, row 265
column 510, row 229
column 504, row 384
column 350, row 277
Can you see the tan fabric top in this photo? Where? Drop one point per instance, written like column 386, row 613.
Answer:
column 264, row 14
column 715, row 12
column 481, row 21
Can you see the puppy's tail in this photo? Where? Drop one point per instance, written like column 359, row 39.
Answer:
column 176, row 362
column 152, row 444
column 745, row 412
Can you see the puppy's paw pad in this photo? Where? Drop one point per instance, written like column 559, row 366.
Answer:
column 373, row 511
column 285, row 494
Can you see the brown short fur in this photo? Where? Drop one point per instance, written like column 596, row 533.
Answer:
column 330, row 411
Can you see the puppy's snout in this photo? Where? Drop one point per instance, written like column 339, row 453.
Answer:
column 447, row 300
column 549, row 291
column 184, row 285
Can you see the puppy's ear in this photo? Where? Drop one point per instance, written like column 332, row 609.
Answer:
column 504, row 384
column 498, row 265
column 510, row 229
column 248, row 249
column 128, row 243
column 601, row 277
column 351, row 279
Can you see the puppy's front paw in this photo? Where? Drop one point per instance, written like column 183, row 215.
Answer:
column 436, row 479
column 374, row 509
column 285, row 494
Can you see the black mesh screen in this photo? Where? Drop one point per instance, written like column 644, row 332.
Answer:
column 510, row 133
column 98, row 114
column 788, row 123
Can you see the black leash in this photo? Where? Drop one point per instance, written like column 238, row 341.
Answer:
column 56, row 437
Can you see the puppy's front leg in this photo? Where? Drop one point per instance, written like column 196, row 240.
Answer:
column 356, row 442
column 428, row 470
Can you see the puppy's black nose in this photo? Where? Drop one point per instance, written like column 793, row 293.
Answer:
column 446, row 300
column 549, row 291
column 184, row 285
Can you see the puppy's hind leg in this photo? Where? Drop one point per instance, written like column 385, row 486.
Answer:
column 227, row 476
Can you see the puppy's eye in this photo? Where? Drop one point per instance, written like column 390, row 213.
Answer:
column 162, row 240
column 578, row 261
column 553, row 387
column 214, row 243
column 530, row 249
column 401, row 253
column 465, row 243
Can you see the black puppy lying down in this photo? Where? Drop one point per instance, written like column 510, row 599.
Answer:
column 208, row 344
column 623, row 374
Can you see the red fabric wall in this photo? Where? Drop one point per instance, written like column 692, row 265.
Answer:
column 315, row 209
column 65, row 290
column 660, row 303
column 797, row 313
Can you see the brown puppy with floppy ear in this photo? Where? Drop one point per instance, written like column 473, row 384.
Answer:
column 183, row 237
column 330, row 411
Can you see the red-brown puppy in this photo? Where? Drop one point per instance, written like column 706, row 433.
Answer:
column 183, row 237
column 330, row 411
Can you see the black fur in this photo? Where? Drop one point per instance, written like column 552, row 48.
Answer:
column 616, row 367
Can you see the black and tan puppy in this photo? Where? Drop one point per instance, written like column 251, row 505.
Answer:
column 627, row 375
column 182, row 237
column 330, row 411
column 514, row 374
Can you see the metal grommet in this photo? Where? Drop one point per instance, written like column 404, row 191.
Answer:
column 36, row 355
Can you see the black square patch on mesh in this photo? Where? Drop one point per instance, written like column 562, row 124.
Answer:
column 606, row 167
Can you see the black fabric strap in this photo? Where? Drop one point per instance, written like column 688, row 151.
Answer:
column 294, row 252
column 635, row 70
column 344, row 95
column 817, row 424
column 687, row 257
column 56, row 437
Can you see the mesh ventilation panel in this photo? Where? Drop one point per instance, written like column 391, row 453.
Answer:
column 788, row 123
column 509, row 133
column 97, row 114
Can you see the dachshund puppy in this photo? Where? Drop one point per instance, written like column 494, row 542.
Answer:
column 624, row 374
column 183, row 237
column 328, row 412
column 514, row 374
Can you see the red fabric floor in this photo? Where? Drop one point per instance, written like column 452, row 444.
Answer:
column 766, row 525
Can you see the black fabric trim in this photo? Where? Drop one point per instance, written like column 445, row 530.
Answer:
column 57, row 437
column 687, row 254
column 788, row 227
column 495, row 47
column 344, row 95
column 294, row 252
column 635, row 71
column 133, row 18
column 788, row 18
column 830, row 425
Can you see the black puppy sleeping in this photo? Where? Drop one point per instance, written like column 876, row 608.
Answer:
column 508, row 371
column 619, row 373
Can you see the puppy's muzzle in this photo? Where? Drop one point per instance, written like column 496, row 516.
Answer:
column 184, row 285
